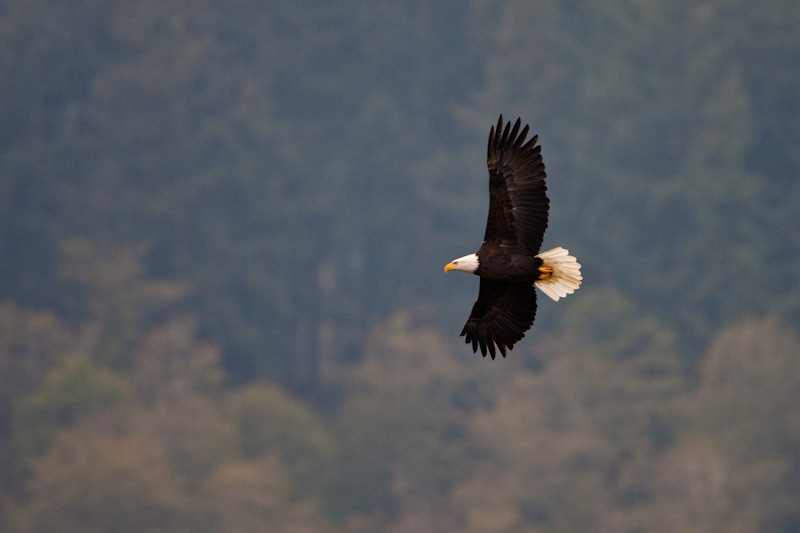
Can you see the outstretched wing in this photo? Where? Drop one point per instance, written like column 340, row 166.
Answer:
column 501, row 315
column 518, row 203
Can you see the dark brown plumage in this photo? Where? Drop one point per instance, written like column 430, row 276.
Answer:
column 518, row 203
column 507, row 261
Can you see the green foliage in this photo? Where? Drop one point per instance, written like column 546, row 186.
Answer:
column 402, row 428
column 222, row 226
column 95, row 480
column 269, row 420
column 750, row 373
column 257, row 494
column 746, row 405
column 30, row 342
column 120, row 303
column 227, row 147
column 71, row 391
column 655, row 125
column 618, row 329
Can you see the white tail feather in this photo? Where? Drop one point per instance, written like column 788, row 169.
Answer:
column 566, row 276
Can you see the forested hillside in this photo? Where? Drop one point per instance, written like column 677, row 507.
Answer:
column 222, row 233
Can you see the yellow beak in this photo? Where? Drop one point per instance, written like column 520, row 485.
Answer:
column 449, row 266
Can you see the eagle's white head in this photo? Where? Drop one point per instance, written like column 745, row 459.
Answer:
column 468, row 263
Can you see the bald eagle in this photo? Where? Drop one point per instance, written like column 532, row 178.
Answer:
column 508, row 262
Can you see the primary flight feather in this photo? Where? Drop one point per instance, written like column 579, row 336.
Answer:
column 508, row 262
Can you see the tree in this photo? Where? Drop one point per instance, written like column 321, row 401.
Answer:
column 401, row 429
column 255, row 495
column 270, row 422
column 30, row 344
column 95, row 478
column 120, row 304
column 73, row 389
column 748, row 393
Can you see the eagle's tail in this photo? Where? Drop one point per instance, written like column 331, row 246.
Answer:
column 561, row 273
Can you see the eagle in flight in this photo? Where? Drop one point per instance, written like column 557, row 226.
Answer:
column 508, row 262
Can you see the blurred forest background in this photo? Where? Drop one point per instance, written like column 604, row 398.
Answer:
column 223, row 227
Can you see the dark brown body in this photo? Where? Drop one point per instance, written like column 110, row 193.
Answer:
column 496, row 264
